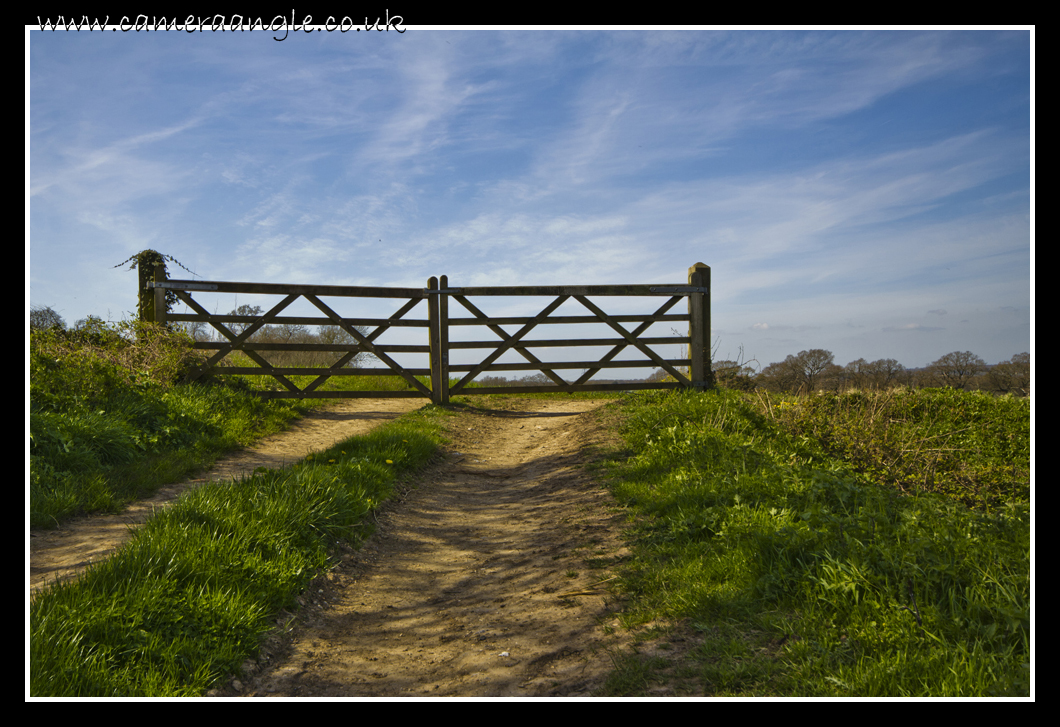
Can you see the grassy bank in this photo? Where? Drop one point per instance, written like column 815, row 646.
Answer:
column 800, row 554
column 110, row 422
column 191, row 595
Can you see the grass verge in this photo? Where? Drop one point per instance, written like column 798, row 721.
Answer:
column 774, row 564
column 192, row 594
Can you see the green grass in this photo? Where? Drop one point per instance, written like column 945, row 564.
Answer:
column 192, row 594
column 109, row 421
column 795, row 569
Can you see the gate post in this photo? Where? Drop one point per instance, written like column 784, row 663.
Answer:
column 160, row 295
column 435, row 329
column 443, row 339
column 145, row 299
column 699, row 328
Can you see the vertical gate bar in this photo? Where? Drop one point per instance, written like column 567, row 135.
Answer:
column 443, row 338
column 160, row 294
column 699, row 328
column 435, row 335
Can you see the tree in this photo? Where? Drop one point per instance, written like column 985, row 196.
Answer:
column 733, row 375
column 779, row 376
column 1013, row 375
column 43, row 318
column 879, row 374
column 197, row 330
column 884, row 373
column 804, row 372
column 337, row 335
column 856, row 374
column 957, row 369
column 537, row 379
column 657, row 375
column 243, row 310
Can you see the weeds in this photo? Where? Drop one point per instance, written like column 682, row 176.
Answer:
column 969, row 446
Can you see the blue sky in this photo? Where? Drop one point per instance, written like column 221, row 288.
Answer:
column 866, row 192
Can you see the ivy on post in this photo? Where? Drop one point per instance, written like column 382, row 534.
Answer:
column 699, row 328
column 148, row 305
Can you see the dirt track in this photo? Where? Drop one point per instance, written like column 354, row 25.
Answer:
column 487, row 577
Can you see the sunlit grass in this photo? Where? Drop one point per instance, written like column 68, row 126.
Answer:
column 846, row 585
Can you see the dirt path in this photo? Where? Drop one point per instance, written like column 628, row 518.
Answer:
column 63, row 553
column 487, row 578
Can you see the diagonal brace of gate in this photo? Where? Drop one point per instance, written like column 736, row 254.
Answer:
column 509, row 342
column 367, row 345
column 350, row 355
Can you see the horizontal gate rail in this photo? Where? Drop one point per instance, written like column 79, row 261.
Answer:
column 323, row 347
column 308, row 321
column 536, row 343
column 346, row 291
column 569, row 365
column 691, row 372
column 569, row 319
column 557, row 290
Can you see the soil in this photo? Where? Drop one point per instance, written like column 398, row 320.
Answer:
column 486, row 577
column 488, row 573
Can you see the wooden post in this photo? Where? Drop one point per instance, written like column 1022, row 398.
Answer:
column 699, row 328
column 443, row 339
column 145, row 301
column 434, row 327
column 160, row 295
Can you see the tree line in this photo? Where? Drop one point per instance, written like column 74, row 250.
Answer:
column 816, row 370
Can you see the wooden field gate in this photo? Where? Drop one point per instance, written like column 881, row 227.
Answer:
column 434, row 382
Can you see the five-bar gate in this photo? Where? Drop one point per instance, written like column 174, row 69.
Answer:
column 435, row 382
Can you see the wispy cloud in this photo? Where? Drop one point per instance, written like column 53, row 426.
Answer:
column 841, row 185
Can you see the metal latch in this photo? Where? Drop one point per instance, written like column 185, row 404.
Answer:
column 678, row 289
column 181, row 286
